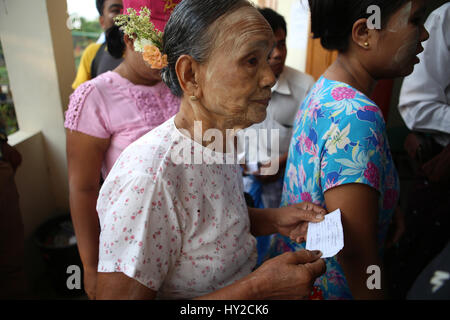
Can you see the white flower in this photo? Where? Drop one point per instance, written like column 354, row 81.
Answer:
column 336, row 139
column 139, row 44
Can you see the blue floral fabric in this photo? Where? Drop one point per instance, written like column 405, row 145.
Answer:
column 339, row 137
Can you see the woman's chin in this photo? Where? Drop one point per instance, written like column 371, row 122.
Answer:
column 259, row 117
column 408, row 70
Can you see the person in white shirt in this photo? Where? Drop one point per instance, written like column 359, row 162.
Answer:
column 290, row 90
column 425, row 98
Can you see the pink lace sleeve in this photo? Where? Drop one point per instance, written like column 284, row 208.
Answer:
column 87, row 113
column 76, row 103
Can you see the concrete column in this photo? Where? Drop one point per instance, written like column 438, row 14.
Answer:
column 38, row 51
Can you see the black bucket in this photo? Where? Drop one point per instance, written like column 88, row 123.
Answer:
column 57, row 243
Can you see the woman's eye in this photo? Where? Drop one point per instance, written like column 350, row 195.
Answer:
column 253, row 61
column 418, row 21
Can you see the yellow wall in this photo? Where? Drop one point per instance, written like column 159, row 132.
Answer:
column 296, row 57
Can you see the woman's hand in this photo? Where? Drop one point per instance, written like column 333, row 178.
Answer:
column 90, row 282
column 293, row 221
column 11, row 155
column 290, row 275
column 397, row 229
column 289, row 221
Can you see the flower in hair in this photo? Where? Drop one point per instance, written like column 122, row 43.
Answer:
column 147, row 39
column 152, row 55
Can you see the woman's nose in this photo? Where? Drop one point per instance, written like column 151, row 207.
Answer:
column 425, row 35
column 268, row 77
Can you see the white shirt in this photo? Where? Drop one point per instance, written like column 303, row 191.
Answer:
column 425, row 95
column 287, row 96
column 181, row 230
column 102, row 38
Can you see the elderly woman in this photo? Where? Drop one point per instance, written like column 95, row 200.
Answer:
column 174, row 231
column 339, row 155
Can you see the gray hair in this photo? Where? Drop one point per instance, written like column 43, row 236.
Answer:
column 188, row 33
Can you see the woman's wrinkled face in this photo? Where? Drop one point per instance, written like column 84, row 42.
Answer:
column 401, row 40
column 236, row 80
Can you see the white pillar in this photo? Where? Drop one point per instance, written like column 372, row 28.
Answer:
column 38, row 52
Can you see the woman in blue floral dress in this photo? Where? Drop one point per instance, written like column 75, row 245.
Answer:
column 339, row 154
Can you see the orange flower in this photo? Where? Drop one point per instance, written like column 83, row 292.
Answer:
column 164, row 60
column 157, row 64
column 151, row 50
column 153, row 57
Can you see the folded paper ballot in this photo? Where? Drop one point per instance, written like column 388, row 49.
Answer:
column 327, row 235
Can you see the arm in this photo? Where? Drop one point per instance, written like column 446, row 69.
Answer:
column 359, row 207
column 288, row 276
column 118, row 286
column 290, row 221
column 85, row 155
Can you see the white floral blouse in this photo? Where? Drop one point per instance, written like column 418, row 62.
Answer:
column 182, row 230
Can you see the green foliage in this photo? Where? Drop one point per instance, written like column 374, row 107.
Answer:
column 8, row 115
column 3, row 72
column 3, row 75
column 90, row 26
column 7, row 112
column 139, row 26
column 88, row 33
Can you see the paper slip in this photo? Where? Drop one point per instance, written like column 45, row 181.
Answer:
column 326, row 236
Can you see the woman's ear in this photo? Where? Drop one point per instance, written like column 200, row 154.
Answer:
column 128, row 42
column 361, row 34
column 101, row 20
column 187, row 70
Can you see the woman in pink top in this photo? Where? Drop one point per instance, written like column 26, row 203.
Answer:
column 104, row 116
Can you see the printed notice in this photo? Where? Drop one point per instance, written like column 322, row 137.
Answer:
column 327, row 235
